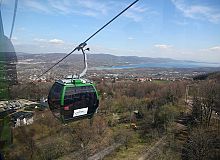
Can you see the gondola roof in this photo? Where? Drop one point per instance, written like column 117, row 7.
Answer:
column 76, row 82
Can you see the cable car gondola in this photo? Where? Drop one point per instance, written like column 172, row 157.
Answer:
column 73, row 98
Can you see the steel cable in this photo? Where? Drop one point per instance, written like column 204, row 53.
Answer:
column 84, row 43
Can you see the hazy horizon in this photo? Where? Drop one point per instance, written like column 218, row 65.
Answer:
column 211, row 64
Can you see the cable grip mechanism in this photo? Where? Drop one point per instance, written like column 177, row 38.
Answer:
column 81, row 47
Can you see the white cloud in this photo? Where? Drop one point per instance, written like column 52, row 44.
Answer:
column 62, row 7
column 44, row 46
column 131, row 38
column 90, row 13
column 135, row 17
column 139, row 9
column 56, row 41
column 94, row 6
column 40, row 40
column 181, row 23
column 91, row 8
column 36, row 5
column 162, row 46
column 46, row 41
column 135, row 13
column 215, row 48
column 201, row 12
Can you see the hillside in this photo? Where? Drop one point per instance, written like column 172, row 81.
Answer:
column 118, row 62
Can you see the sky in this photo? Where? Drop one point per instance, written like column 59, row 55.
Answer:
column 178, row 29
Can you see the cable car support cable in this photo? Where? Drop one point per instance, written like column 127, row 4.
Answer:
column 82, row 45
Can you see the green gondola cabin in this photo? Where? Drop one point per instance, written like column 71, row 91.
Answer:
column 73, row 99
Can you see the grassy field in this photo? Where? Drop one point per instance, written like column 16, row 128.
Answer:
column 160, row 81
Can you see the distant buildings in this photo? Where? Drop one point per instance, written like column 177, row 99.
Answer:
column 16, row 104
column 22, row 118
column 21, row 111
column 143, row 79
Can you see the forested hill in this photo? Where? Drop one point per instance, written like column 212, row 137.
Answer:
column 101, row 58
column 97, row 60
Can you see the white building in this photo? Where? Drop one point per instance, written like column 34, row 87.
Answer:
column 22, row 118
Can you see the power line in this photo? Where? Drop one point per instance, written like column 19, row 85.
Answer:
column 84, row 43
column 13, row 21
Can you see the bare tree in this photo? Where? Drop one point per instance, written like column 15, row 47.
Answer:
column 203, row 144
column 205, row 100
column 25, row 136
column 83, row 133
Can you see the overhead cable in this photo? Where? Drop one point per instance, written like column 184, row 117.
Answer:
column 84, row 43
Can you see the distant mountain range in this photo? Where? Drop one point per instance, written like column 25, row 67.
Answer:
column 108, row 61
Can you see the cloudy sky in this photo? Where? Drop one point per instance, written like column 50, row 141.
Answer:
column 179, row 29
